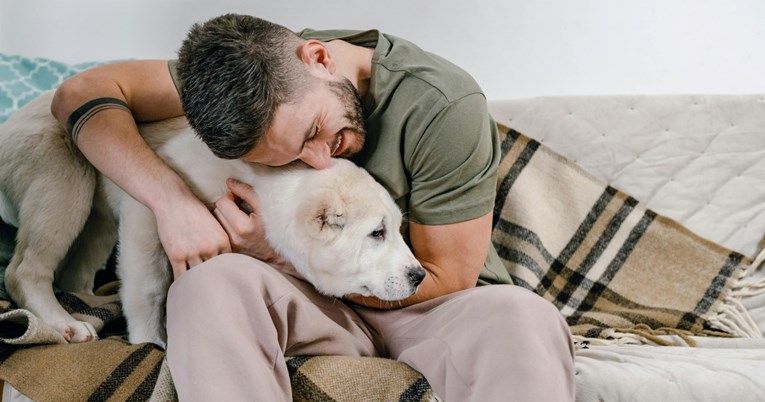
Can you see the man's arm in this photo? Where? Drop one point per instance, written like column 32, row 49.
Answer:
column 110, row 140
column 452, row 255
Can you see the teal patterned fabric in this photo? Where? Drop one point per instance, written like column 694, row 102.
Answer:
column 23, row 79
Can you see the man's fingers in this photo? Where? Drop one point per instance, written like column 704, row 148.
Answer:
column 221, row 217
column 235, row 222
column 190, row 235
column 179, row 268
column 194, row 261
column 181, row 265
column 223, row 250
column 245, row 192
column 227, row 206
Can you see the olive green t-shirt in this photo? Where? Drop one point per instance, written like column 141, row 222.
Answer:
column 430, row 140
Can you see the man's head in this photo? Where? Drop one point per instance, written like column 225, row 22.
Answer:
column 253, row 89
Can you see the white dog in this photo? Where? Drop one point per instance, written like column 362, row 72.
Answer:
column 338, row 227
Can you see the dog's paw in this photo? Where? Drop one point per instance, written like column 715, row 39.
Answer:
column 77, row 331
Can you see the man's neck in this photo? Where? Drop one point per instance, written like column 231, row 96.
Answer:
column 353, row 62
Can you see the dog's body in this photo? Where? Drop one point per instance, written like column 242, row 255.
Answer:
column 338, row 227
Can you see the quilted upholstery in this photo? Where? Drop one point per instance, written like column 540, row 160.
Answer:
column 698, row 159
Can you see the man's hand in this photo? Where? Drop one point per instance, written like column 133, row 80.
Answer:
column 243, row 224
column 112, row 143
column 190, row 234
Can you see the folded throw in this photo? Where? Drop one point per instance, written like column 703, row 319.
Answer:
column 616, row 270
column 37, row 361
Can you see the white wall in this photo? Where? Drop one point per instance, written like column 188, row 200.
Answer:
column 514, row 48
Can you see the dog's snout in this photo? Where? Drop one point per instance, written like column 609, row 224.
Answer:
column 416, row 275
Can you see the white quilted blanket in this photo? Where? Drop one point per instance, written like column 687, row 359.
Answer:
column 697, row 159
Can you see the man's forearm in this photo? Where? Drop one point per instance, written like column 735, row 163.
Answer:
column 110, row 140
column 106, row 132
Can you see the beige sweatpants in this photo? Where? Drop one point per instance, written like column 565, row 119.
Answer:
column 232, row 320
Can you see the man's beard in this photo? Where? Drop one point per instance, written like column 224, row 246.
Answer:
column 351, row 101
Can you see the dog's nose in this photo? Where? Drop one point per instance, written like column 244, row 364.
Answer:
column 416, row 275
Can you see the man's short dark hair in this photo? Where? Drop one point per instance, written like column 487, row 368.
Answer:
column 234, row 70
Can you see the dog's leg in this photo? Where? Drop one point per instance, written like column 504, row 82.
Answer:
column 144, row 273
column 90, row 251
column 50, row 218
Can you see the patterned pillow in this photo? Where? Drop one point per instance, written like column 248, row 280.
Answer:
column 23, row 79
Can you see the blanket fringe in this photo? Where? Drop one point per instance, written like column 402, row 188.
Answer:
column 732, row 316
column 641, row 334
column 730, row 319
column 747, row 284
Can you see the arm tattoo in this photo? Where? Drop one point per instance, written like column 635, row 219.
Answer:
column 79, row 117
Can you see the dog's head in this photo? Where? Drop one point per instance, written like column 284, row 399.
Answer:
column 352, row 243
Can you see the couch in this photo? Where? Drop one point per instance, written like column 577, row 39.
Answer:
column 697, row 160
column 700, row 160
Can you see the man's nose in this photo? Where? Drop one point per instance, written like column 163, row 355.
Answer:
column 316, row 155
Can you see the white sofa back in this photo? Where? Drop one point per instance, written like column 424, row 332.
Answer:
column 697, row 159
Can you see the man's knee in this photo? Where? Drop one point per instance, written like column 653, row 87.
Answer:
column 516, row 309
column 219, row 275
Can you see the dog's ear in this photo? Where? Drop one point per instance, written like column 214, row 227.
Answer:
column 325, row 214
column 329, row 219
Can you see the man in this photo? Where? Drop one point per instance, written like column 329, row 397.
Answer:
column 254, row 90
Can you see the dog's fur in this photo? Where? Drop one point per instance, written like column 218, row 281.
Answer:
column 338, row 227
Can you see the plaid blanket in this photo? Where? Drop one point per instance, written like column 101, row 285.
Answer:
column 44, row 369
column 112, row 369
column 614, row 269
column 36, row 360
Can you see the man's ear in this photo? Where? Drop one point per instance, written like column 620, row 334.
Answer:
column 324, row 215
column 317, row 58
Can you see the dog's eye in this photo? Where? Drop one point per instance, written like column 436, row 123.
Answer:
column 378, row 234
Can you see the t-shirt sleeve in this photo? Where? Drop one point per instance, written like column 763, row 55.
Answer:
column 454, row 164
column 172, row 66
